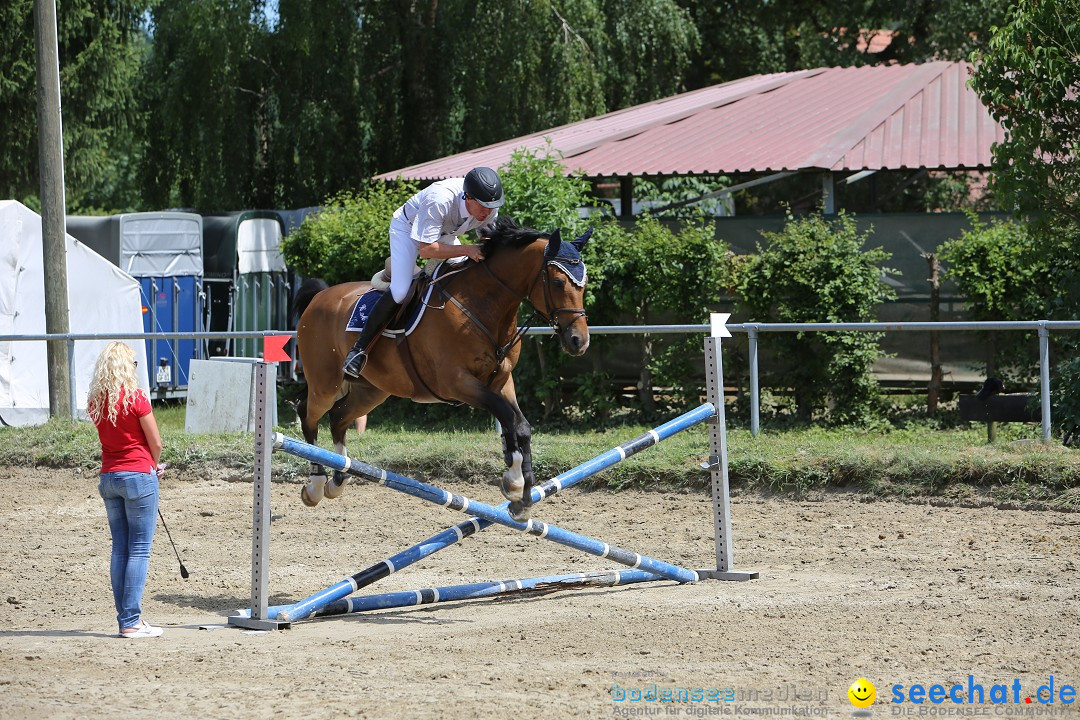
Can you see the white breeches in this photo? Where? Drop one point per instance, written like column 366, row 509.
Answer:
column 403, row 253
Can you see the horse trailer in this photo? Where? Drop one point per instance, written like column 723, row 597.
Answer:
column 163, row 251
column 247, row 283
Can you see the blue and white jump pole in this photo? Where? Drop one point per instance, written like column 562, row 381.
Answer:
column 314, row 605
column 438, row 496
column 330, row 601
column 472, row 591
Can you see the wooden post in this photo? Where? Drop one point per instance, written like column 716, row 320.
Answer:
column 53, row 211
column 626, row 198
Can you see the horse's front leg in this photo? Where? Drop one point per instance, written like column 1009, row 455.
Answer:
column 517, row 481
column 501, row 401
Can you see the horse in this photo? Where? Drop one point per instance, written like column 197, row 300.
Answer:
column 463, row 350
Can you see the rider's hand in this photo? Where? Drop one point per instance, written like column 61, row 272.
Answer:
column 475, row 253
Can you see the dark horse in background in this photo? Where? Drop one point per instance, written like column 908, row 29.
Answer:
column 463, row 350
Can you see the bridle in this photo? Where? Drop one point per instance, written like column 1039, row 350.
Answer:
column 551, row 318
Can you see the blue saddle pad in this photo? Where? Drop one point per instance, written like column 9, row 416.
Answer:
column 364, row 303
column 362, row 310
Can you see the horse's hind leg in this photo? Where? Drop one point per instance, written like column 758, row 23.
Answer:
column 310, row 410
column 360, row 400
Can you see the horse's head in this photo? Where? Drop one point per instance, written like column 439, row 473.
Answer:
column 560, row 296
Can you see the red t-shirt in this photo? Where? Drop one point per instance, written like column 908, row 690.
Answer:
column 123, row 445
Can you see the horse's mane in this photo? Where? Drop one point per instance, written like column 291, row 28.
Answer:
column 506, row 233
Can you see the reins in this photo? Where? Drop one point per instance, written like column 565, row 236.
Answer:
column 501, row 351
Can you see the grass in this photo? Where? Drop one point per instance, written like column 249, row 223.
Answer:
column 954, row 465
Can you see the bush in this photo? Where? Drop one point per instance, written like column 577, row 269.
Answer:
column 539, row 193
column 1058, row 240
column 817, row 270
column 653, row 270
column 348, row 238
column 998, row 268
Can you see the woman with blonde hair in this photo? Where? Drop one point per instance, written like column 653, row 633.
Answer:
column 130, row 465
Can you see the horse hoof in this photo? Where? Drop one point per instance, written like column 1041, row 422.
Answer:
column 512, row 485
column 512, row 488
column 335, row 487
column 309, row 496
column 518, row 511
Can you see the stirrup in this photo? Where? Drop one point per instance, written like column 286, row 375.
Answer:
column 354, row 364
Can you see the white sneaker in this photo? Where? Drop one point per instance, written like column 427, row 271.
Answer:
column 144, row 630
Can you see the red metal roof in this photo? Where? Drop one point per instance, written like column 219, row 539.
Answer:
column 882, row 117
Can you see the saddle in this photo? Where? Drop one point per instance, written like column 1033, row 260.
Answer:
column 381, row 279
column 408, row 316
column 412, row 307
column 421, row 277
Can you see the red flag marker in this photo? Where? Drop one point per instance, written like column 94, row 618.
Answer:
column 274, row 348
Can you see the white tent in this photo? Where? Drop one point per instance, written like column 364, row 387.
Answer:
column 102, row 299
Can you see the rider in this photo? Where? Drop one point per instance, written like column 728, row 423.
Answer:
column 428, row 225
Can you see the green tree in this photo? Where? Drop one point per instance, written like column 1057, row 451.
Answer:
column 1028, row 78
column 242, row 113
column 998, row 269
column 818, row 270
column 551, row 62
column 650, row 47
column 672, row 190
column 540, row 194
column 764, row 36
column 207, row 104
column 100, row 53
column 397, row 76
column 320, row 136
column 348, row 238
column 655, row 270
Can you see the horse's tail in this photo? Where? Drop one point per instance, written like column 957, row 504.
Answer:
column 307, row 292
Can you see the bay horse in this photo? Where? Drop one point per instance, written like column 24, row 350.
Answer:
column 463, row 350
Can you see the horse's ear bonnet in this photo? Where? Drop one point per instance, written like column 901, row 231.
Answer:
column 567, row 256
column 579, row 243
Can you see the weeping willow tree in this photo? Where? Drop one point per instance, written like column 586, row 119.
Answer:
column 207, row 97
column 254, row 108
column 100, row 55
column 543, row 63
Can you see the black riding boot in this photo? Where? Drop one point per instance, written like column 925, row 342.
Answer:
column 384, row 309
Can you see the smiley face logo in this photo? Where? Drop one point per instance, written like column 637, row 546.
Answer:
column 862, row 693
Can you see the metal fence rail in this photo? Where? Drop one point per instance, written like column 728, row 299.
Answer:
column 753, row 331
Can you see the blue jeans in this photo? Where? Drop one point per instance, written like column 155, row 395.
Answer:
column 131, row 501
